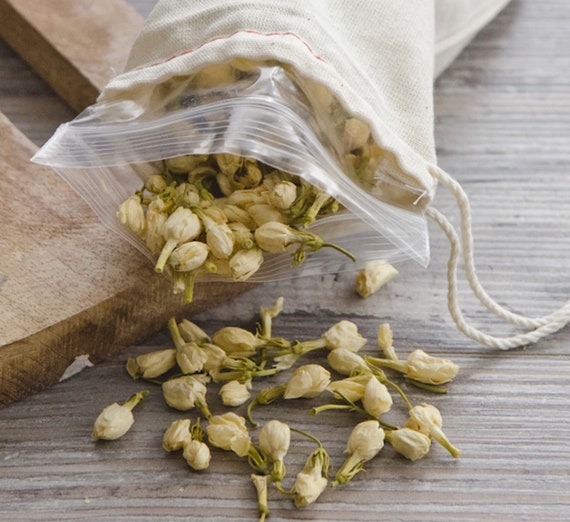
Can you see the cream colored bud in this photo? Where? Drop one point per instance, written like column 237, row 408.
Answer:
column 410, row 443
column 244, row 263
column 307, row 381
column 263, row 213
column 155, row 183
column 308, row 487
column 344, row 334
column 345, row 362
column 196, row 454
column 214, row 216
column 275, row 237
column 366, row 440
column 155, row 219
column 184, row 393
column 151, row 365
column 351, row 388
column 385, row 338
column 224, row 184
column 215, row 357
column 188, row 256
column 243, row 238
column 376, row 399
column 220, row 239
column 236, row 341
column 116, row 419
column 175, row 435
column 373, row 277
column 260, row 483
column 245, row 198
column 426, row 419
column 131, row 214
column 274, row 439
column 431, row 370
column 282, row 195
column 249, row 177
column 229, row 164
column 238, row 215
column 234, row 393
column 191, row 332
column 191, row 358
column 229, row 432
column 187, row 193
column 180, row 227
column 113, row 422
column 356, row 134
column 183, row 164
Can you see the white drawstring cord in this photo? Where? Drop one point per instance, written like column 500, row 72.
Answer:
column 543, row 326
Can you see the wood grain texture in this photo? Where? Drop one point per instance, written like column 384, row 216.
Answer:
column 77, row 46
column 68, row 286
column 503, row 130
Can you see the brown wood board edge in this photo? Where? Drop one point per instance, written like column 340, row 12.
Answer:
column 76, row 46
column 100, row 332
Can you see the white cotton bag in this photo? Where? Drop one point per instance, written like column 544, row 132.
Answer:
column 377, row 59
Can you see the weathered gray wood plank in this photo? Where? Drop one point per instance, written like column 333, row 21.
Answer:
column 503, row 130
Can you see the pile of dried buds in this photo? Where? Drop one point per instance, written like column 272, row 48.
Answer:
column 233, row 358
column 221, row 214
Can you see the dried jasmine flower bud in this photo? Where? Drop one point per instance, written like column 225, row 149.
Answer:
column 220, row 239
column 116, row 419
column 282, row 195
column 229, row 164
column 234, row 393
column 244, row 263
column 410, row 443
column 356, row 134
column 373, row 277
column 376, row 399
column 155, row 184
column 191, row 332
column 189, row 355
column 422, row 367
column 263, row 213
column 307, row 381
column 186, row 194
column 215, row 358
column 385, row 338
column 274, row 440
column 346, row 362
column 224, row 183
column 131, row 214
column 151, row 365
column 344, row 334
column 238, row 215
column 229, row 432
column 311, row 481
column 181, row 226
column 351, row 388
column 188, row 256
column 243, row 238
column 250, row 176
column 184, row 164
column 175, row 435
column 185, row 393
column 245, row 198
column 236, row 341
column 364, row 443
column 260, row 484
column 426, row 419
column 155, row 219
column 197, row 454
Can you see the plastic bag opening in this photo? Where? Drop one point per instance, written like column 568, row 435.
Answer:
column 264, row 112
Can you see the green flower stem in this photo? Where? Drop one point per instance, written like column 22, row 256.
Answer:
column 134, row 399
column 351, row 466
column 438, row 435
column 167, row 249
column 177, row 338
column 429, row 387
column 265, row 396
column 278, row 471
column 339, row 249
column 399, row 366
column 321, row 199
column 189, row 280
column 196, row 431
column 256, row 460
column 203, row 406
column 326, row 407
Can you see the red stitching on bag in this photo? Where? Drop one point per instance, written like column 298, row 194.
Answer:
column 251, row 31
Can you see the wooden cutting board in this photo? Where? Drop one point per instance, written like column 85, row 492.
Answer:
column 68, row 286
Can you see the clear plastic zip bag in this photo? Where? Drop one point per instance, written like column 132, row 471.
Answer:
column 294, row 128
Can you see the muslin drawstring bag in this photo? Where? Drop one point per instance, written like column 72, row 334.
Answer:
column 378, row 59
